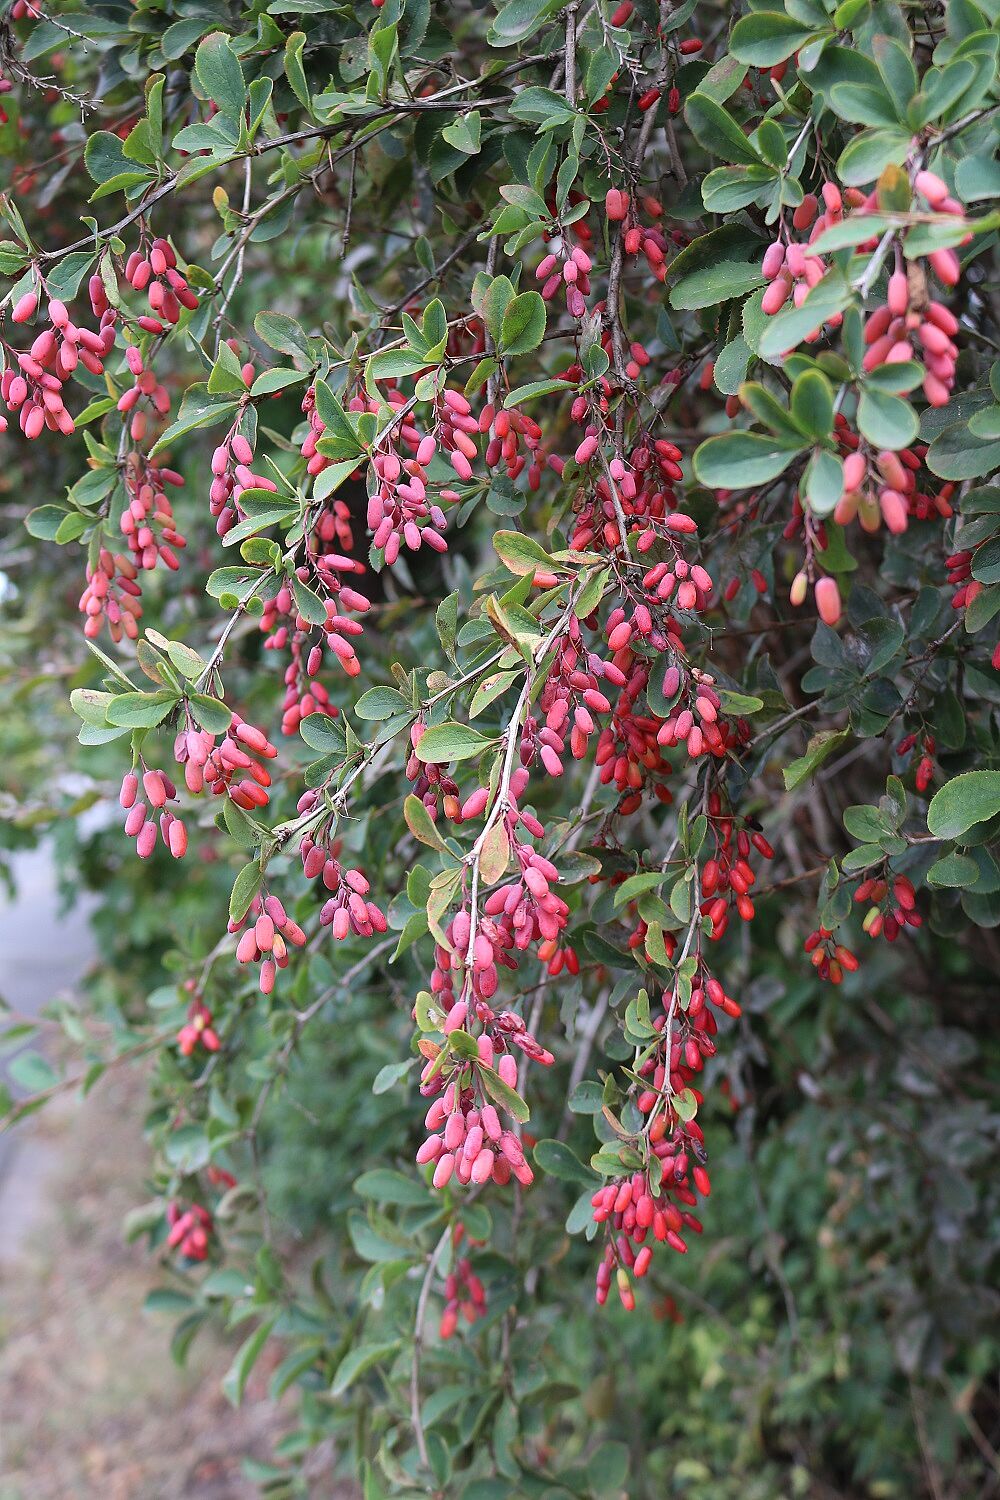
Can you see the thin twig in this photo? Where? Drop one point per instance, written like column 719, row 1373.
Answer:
column 418, row 1344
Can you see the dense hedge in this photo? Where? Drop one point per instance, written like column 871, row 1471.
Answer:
column 532, row 468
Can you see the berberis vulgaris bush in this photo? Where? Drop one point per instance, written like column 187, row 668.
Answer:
column 580, row 419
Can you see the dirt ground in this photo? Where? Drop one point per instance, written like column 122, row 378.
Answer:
column 91, row 1404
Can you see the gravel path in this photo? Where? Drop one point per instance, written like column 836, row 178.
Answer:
column 43, row 952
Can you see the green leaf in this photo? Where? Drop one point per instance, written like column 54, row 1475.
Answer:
column 211, row 713
column 739, row 460
column 956, row 453
column 380, row 703
column 220, row 75
column 502, row 1093
column 492, row 301
column 715, row 129
column 823, row 482
column 375, row 1244
column 939, row 89
column 254, row 524
column 340, row 431
column 729, row 188
column 466, row 133
column 870, row 153
column 848, row 12
column 973, row 797
column 387, row 1077
column 188, row 1148
column 533, row 388
column 140, row 710
column 187, row 661
column 898, row 73
column 227, row 373
column 386, row 1186
column 139, row 145
column 166, row 1300
column 447, row 742
column 862, row 105
column 977, row 177
column 282, row 333
column 235, row 1379
column 308, row 603
column 91, row 706
column 986, row 562
column 714, row 284
column 523, row 325
column 865, row 824
column 788, row 328
column 32, row 1072
column 541, row 106
column 269, row 381
column 953, row 870
column 862, row 858
column 637, row 885
column 772, row 143
column 520, row 19
column 886, row 421
column 812, row 404
column 245, row 887
column 392, row 364
column 522, row 554
column 196, row 411
column 242, row 828
column 819, row 749
column 557, row 1160
column 331, row 478
column 766, row 38
column 984, row 607
column 881, row 639
column 323, row 733
column 986, row 423
column 723, row 78
column 731, row 365
column 45, row 521
column 854, row 230
column 294, row 71
column 422, row 825
column 768, row 410
column 13, row 258
column 233, row 580
column 105, row 160
column 739, row 703
column 685, row 1104
column 895, row 378
column 358, row 1361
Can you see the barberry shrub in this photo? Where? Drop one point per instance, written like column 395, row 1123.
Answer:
column 531, row 464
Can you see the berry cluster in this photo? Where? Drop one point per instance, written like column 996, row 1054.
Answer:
column 190, row 1230
column 347, row 909
column 466, row 1138
column 112, row 596
column 228, row 768
column 463, row 1292
column 140, row 820
column 147, row 522
column 266, row 941
column 156, row 273
column 893, row 908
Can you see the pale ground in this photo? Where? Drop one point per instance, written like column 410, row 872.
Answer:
column 91, row 1403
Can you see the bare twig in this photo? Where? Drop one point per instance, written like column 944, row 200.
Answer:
column 418, row 1344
